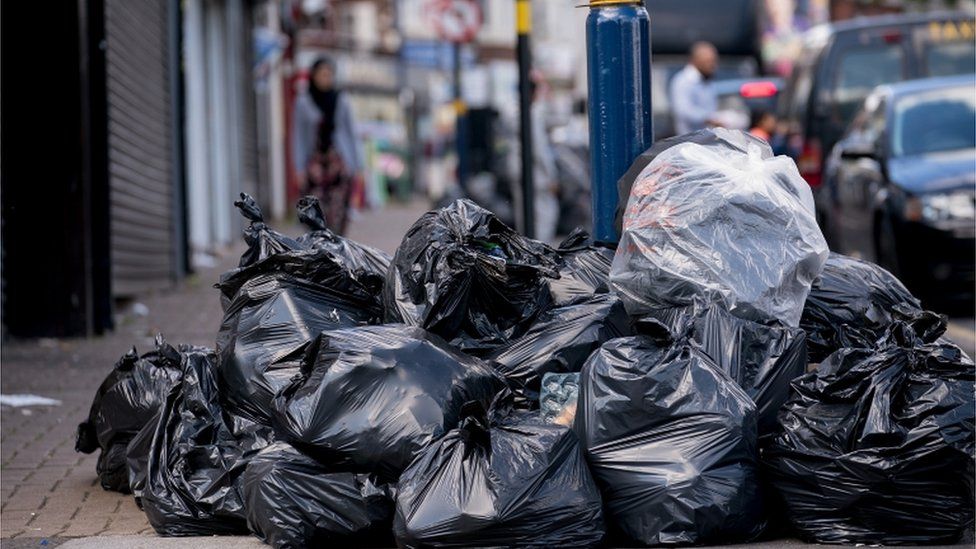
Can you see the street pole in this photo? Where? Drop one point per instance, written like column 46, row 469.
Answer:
column 460, row 111
column 618, row 58
column 523, row 27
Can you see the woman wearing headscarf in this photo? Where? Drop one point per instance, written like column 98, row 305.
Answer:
column 326, row 153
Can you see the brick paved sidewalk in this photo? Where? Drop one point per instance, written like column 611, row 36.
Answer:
column 48, row 490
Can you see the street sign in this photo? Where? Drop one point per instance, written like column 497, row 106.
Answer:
column 455, row 21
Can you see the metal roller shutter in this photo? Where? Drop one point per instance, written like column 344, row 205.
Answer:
column 140, row 146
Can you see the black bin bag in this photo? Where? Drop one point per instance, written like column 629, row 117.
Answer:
column 369, row 399
column 282, row 296
column 197, row 455
column 585, row 270
column 137, row 457
column 464, row 275
column 293, row 502
column 559, row 342
column 125, row 402
column 762, row 358
column 671, row 441
column 851, row 304
column 877, row 445
column 501, row 479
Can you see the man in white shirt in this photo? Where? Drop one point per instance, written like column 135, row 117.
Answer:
column 693, row 99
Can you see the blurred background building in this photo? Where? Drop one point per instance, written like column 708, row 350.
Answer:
column 130, row 126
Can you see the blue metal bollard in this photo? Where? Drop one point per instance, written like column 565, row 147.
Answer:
column 618, row 51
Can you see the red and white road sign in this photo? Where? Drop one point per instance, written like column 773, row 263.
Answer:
column 455, row 20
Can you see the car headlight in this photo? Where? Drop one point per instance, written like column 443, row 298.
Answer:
column 938, row 208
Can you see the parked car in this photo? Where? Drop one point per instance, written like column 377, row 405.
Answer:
column 902, row 185
column 842, row 62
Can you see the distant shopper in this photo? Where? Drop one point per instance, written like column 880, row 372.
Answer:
column 767, row 127
column 544, row 175
column 326, row 153
column 763, row 125
column 693, row 98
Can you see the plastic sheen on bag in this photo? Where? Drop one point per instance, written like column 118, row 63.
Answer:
column 502, row 478
column 370, row 399
column 363, row 260
column 725, row 223
column 851, row 304
column 671, row 441
column 294, row 502
column 196, row 458
column 137, row 457
column 264, row 334
column 877, row 445
column 125, row 402
column 560, row 341
column 585, row 270
column 464, row 275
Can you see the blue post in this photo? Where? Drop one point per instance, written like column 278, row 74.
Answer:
column 618, row 51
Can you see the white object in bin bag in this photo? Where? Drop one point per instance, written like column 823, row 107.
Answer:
column 728, row 222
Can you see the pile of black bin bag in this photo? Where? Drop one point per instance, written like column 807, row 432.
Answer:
column 732, row 377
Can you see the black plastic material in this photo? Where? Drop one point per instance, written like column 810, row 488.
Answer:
column 464, row 275
column 877, row 445
column 371, row 398
column 504, row 479
column 851, row 304
column 262, row 241
column 671, row 441
column 559, row 342
column 137, row 457
column 197, row 456
column 363, row 260
column 585, row 270
column 285, row 293
column 762, row 359
column 293, row 502
column 125, row 402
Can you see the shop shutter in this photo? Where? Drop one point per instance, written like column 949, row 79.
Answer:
column 140, row 146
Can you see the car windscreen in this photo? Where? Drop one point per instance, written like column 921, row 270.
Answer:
column 934, row 121
column 950, row 58
column 860, row 70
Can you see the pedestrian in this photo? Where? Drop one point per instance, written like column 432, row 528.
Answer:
column 326, row 152
column 766, row 126
column 763, row 125
column 544, row 174
column 693, row 98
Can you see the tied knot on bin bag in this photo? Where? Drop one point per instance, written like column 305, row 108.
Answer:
column 475, row 427
column 502, row 478
column 466, row 276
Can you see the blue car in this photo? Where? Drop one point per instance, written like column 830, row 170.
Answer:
column 901, row 185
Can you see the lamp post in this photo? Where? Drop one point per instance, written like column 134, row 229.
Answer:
column 618, row 55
